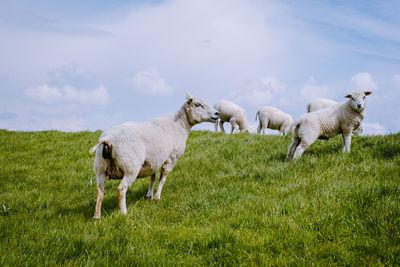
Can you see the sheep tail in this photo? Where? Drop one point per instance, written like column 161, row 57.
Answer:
column 93, row 149
column 308, row 108
column 106, row 153
column 294, row 127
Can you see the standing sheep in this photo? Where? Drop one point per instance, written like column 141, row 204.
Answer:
column 273, row 118
column 342, row 119
column 232, row 113
column 135, row 150
column 319, row 103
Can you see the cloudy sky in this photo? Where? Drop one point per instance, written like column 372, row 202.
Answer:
column 87, row 65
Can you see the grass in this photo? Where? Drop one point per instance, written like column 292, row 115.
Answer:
column 230, row 200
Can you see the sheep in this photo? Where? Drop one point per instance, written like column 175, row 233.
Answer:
column 319, row 103
column 273, row 118
column 232, row 113
column 341, row 118
column 139, row 149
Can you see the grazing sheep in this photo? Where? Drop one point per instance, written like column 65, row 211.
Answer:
column 273, row 118
column 342, row 119
column 135, row 150
column 232, row 113
column 319, row 103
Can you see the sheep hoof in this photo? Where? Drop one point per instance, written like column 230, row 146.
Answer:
column 96, row 217
column 124, row 212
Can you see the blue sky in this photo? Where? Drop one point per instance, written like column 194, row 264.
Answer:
column 88, row 65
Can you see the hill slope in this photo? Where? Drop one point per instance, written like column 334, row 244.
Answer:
column 230, row 199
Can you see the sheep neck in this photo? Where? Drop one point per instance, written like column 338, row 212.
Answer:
column 357, row 113
column 182, row 119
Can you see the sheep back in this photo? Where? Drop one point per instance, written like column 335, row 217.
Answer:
column 319, row 103
column 230, row 110
column 149, row 142
column 328, row 122
column 275, row 117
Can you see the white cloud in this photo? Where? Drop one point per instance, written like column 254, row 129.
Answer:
column 273, row 84
column 362, row 81
column 51, row 95
column 64, row 124
column 98, row 95
column 373, row 129
column 312, row 90
column 254, row 97
column 44, row 94
column 149, row 82
column 30, row 122
column 72, row 74
column 264, row 91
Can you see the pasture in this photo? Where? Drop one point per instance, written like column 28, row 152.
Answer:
column 230, row 200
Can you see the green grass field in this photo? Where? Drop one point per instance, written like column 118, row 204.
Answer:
column 230, row 200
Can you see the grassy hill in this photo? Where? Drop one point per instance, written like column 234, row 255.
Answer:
column 231, row 199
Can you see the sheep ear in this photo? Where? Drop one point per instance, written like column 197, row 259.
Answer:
column 367, row 93
column 189, row 98
column 348, row 96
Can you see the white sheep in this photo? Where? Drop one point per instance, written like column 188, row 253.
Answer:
column 319, row 103
column 342, row 119
column 273, row 118
column 135, row 150
column 232, row 113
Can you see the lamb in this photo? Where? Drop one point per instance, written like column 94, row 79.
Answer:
column 232, row 113
column 319, row 103
column 342, row 118
column 273, row 118
column 135, row 150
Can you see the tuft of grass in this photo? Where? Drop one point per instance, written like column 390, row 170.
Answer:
column 230, row 200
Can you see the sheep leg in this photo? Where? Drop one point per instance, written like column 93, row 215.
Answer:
column 234, row 125
column 101, row 178
column 358, row 131
column 151, row 187
column 301, row 148
column 99, row 169
column 165, row 169
column 264, row 131
column 216, row 126
column 346, row 141
column 221, row 125
column 259, row 128
column 282, row 130
column 292, row 148
column 265, row 126
column 126, row 182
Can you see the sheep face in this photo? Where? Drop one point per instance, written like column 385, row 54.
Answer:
column 357, row 100
column 198, row 111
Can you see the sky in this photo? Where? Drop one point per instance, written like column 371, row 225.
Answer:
column 88, row 65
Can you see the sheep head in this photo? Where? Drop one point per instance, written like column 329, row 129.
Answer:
column 198, row 111
column 357, row 100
